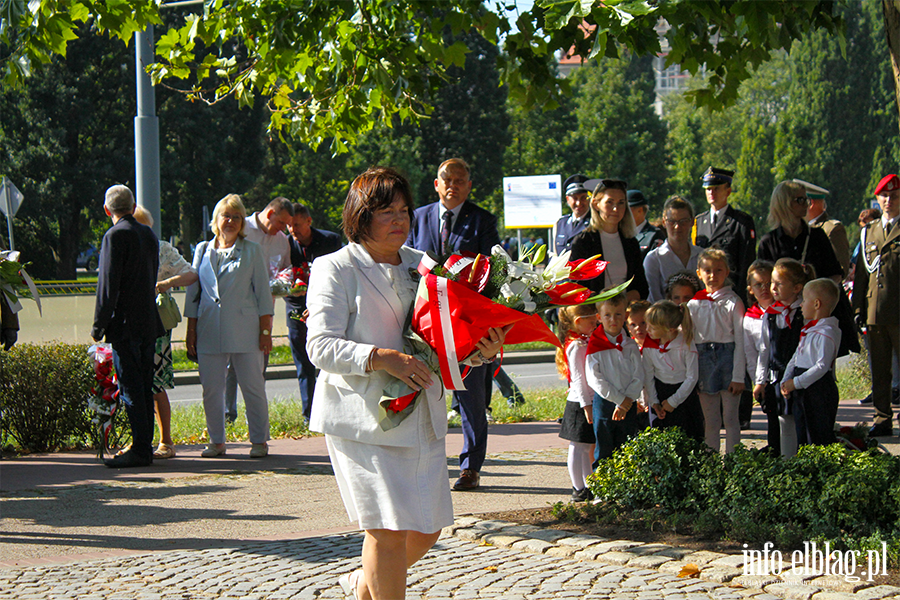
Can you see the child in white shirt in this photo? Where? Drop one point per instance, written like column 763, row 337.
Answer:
column 809, row 377
column 759, row 282
column 717, row 313
column 670, row 369
column 576, row 324
column 615, row 373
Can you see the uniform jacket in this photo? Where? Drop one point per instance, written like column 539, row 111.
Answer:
column 126, row 284
column 565, row 231
column 650, row 237
column 228, row 302
column 877, row 295
column 736, row 235
column 474, row 230
column 352, row 309
column 837, row 235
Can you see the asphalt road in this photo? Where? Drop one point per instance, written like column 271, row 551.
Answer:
column 540, row 375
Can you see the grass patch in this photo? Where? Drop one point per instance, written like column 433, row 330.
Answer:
column 855, row 380
column 540, row 405
column 285, row 421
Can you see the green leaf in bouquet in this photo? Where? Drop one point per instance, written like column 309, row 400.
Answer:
column 607, row 294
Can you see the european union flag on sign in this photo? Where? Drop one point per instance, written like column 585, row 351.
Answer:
column 552, row 185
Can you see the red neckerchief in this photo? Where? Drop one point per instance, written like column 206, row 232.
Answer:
column 755, row 312
column 571, row 336
column 654, row 343
column 600, row 342
column 779, row 308
column 703, row 295
column 803, row 331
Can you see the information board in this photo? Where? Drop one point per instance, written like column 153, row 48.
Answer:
column 532, row 201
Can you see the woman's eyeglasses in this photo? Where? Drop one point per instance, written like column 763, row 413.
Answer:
column 801, row 200
column 683, row 222
column 227, row 217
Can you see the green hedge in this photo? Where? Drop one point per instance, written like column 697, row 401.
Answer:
column 43, row 396
column 824, row 493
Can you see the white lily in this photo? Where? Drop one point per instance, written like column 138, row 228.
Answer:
column 557, row 270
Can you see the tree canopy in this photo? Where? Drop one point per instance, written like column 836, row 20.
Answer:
column 331, row 69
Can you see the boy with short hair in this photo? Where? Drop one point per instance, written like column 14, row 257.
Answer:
column 809, row 376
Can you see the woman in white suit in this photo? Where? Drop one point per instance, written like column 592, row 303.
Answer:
column 393, row 483
column 229, row 313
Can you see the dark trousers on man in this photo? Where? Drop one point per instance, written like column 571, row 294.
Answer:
column 306, row 371
column 133, row 360
column 472, row 405
column 883, row 343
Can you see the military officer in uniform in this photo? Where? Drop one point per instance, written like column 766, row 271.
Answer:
column 648, row 236
column 834, row 229
column 876, row 297
column 726, row 227
column 571, row 225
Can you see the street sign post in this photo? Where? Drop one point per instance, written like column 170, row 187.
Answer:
column 10, row 201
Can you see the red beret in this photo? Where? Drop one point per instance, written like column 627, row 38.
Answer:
column 888, row 184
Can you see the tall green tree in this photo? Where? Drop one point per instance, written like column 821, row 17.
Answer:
column 619, row 133
column 65, row 138
column 830, row 131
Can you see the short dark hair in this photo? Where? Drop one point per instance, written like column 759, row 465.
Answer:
column 280, row 204
column 371, row 191
column 300, row 210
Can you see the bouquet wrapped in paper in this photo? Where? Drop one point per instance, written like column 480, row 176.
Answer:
column 15, row 283
column 461, row 297
column 104, row 398
column 290, row 281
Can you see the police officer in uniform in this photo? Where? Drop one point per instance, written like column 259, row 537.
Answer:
column 648, row 236
column 876, row 297
column 571, row 225
column 817, row 216
column 727, row 228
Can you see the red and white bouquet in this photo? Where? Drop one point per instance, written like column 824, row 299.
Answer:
column 461, row 296
column 104, row 398
column 290, row 281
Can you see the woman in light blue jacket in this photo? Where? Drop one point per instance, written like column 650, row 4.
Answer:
column 229, row 313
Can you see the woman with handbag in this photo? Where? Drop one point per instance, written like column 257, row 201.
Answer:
column 174, row 271
column 229, row 311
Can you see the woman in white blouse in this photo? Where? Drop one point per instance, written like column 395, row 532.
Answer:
column 393, row 482
column 677, row 253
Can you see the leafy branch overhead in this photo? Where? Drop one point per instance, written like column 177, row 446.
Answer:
column 330, row 69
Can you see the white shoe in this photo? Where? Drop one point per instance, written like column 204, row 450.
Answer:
column 214, row 450
column 490, row 417
column 349, row 583
column 452, row 414
column 259, row 450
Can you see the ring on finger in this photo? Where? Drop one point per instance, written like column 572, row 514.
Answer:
column 413, row 376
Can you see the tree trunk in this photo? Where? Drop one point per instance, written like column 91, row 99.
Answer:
column 891, row 9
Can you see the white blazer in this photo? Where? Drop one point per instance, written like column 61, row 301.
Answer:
column 352, row 309
column 228, row 302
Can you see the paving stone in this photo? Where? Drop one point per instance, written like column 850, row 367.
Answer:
column 614, row 558
column 755, row 581
column 836, row 583
column 792, row 591
column 834, row 596
column 580, row 541
column 532, row 545
column 735, row 561
column 652, row 561
column 549, row 535
column 703, row 557
column 719, row 574
column 501, row 539
column 878, row 592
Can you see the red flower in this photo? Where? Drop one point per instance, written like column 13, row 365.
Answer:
column 568, row 293
column 475, row 275
column 586, row 268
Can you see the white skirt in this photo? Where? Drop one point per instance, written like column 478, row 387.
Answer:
column 393, row 487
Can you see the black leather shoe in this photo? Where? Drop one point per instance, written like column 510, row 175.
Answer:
column 127, row 460
column 866, row 400
column 468, row 480
column 885, row 428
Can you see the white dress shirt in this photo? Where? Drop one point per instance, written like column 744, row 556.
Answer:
column 678, row 364
column 579, row 389
column 765, row 350
column 616, row 374
column 661, row 263
column 719, row 320
column 816, row 353
column 752, row 326
column 276, row 248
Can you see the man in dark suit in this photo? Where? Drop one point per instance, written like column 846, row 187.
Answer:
column 307, row 244
column 126, row 314
column 451, row 225
column 876, row 297
column 725, row 227
column 571, row 225
column 648, row 236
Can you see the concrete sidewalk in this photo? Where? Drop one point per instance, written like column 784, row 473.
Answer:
column 276, row 528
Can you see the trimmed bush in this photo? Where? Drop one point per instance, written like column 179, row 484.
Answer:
column 824, row 493
column 43, row 396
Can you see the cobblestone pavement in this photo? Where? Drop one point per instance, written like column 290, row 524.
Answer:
column 472, row 560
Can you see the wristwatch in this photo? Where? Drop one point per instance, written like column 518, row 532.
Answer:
column 265, row 332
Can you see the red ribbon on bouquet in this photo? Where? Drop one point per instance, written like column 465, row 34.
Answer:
column 452, row 318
